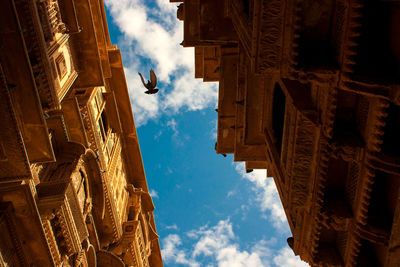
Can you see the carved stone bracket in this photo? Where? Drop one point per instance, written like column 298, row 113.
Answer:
column 337, row 218
column 129, row 231
column 346, row 152
column 138, row 194
column 374, row 235
column 352, row 31
column 386, row 164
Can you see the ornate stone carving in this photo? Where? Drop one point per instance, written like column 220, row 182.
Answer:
column 50, row 19
column 142, row 246
column 37, row 52
column 51, row 240
column 346, row 152
column 301, row 157
column 336, row 217
column 59, row 190
column 267, row 37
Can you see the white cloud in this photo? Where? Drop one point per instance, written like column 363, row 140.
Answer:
column 286, row 258
column 172, row 124
column 150, row 39
column 172, row 227
column 191, row 93
column 171, row 253
column 218, row 246
column 153, row 193
column 214, row 130
column 231, row 193
column 157, row 135
column 266, row 195
column 218, row 241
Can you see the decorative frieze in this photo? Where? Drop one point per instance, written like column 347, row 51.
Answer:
column 77, row 214
column 51, row 240
column 50, row 19
column 68, row 229
column 303, row 137
column 267, row 35
column 141, row 246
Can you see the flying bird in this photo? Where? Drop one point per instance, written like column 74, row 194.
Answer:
column 150, row 85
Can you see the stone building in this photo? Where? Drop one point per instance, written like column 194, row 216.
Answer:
column 310, row 91
column 73, row 191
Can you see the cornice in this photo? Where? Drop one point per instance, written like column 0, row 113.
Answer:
column 351, row 38
column 318, row 196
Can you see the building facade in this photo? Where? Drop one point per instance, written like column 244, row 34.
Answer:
column 310, row 91
column 73, row 190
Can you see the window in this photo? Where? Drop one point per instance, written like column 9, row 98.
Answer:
column 104, row 120
column 99, row 98
column 61, row 66
column 110, row 143
column 103, row 125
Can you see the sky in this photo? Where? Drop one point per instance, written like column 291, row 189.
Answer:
column 209, row 211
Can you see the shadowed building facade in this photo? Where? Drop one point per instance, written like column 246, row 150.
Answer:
column 73, row 191
column 310, row 91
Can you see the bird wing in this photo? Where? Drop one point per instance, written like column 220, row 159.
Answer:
column 141, row 77
column 153, row 78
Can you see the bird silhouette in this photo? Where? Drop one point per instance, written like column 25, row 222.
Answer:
column 150, row 85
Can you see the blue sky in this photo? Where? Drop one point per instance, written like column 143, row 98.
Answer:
column 209, row 212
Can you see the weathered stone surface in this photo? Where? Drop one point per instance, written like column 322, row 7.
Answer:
column 314, row 86
column 64, row 150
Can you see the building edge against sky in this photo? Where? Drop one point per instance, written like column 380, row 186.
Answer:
column 309, row 90
column 73, row 190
